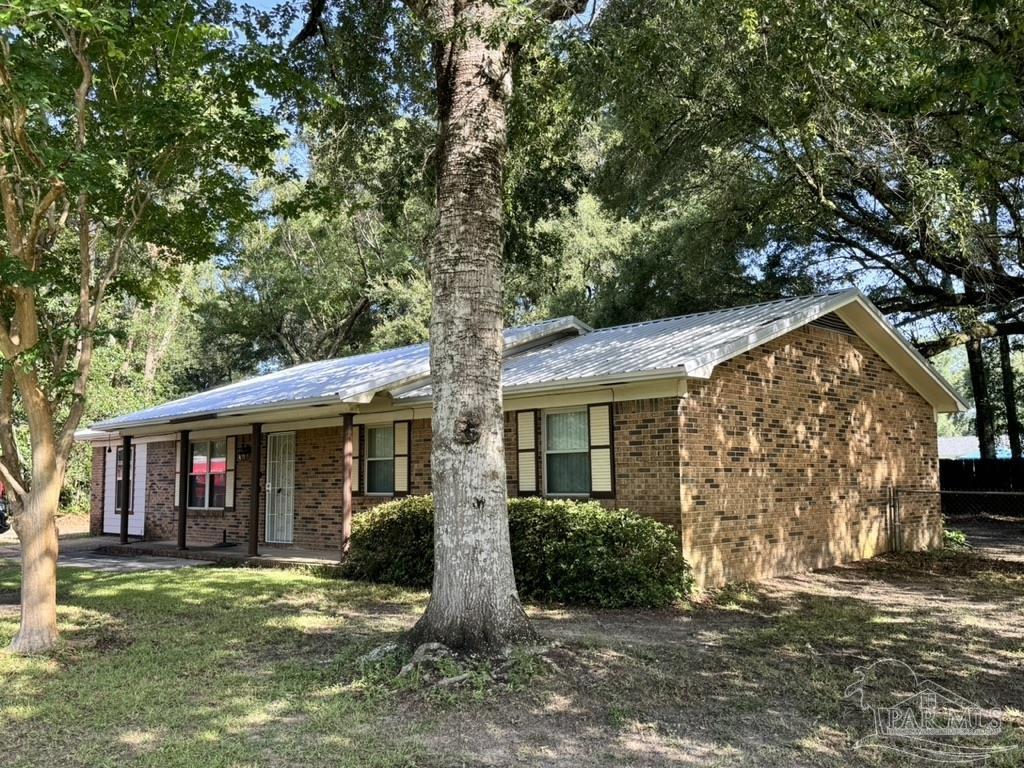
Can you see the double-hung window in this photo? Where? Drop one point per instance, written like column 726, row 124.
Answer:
column 380, row 459
column 208, row 473
column 567, row 453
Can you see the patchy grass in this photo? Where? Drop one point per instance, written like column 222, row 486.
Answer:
column 211, row 667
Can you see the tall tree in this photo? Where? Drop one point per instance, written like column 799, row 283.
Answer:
column 473, row 603
column 884, row 136
column 120, row 131
column 474, row 46
column 321, row 278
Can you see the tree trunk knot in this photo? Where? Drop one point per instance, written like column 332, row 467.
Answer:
column 467, row 428
column 478, row 503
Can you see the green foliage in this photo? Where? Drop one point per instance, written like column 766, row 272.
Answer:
column 562, row 551
column 324, row 280
column 393, row 543
column 150, row 353
column 954, row 539
column 865, row 140
column 583, row 553
column 126, row 132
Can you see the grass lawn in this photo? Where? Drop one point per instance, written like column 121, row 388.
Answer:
column 236, row 667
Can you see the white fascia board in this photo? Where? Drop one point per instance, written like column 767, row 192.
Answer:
column 567, row 385
column 234, row 417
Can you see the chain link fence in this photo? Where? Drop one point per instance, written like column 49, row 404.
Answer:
column 957, row 504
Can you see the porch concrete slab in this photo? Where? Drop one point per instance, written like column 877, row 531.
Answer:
column 237, row 555
column 88, row 552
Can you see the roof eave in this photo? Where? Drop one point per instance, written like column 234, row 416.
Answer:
column 563, row 385
column 114, row 425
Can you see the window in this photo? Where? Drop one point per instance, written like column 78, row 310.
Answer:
column 119, row 478
column 567, row 453
column 208, row 474
column 380, row 459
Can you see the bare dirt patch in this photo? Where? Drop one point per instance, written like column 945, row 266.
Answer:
column 754, row 675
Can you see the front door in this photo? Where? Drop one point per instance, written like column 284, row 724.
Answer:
column 280, row 487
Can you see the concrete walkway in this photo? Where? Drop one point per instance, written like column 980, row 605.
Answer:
column 85, row 552
column 999, row 539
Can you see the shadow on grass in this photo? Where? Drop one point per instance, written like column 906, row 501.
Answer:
column 203, row 667
column 235, row 667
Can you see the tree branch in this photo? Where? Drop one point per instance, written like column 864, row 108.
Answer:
column 309, row 29
column 976, row 331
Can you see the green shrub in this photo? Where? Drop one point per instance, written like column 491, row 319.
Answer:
column 954, row 539
column 562, row 551
column 393, row 543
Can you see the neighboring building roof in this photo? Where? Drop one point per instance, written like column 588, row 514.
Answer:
column 564, row 353
column 966, row 447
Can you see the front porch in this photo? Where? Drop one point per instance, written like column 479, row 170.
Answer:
column 268, row 556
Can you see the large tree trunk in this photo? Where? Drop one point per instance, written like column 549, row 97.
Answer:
column 35, row 524
column 984, row 425
column 1010, row 397
column 474, row 603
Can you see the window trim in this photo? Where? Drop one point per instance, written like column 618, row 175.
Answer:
column 208, row 442
column 368, row 459
column 585, row 410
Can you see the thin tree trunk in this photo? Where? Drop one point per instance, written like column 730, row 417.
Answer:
column 474, row 603
column 984, row 425
column 35, row 524
column 1010, row 397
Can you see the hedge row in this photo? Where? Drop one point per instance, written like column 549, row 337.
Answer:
column 562, row 552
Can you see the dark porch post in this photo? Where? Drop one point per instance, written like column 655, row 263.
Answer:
column 346, row 486
column 254, row 493
column 126, row 485
column 183, row 465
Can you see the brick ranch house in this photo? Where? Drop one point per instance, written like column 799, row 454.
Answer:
column 767, row 436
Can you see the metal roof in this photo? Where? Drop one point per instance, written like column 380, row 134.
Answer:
column 683, row 345
column 557, row 353
column 352, row 379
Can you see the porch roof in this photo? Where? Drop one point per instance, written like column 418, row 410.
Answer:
column 354, row 380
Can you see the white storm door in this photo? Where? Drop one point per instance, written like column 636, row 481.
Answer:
column 280, row 487
column 111, row 501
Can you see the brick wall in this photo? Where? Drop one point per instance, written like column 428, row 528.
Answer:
column 161, row 517
column 786, row 455
column 647, row 471
column 779, row 463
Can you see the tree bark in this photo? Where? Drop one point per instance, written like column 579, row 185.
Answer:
column 984, row 426
column 1010, row 397
column 35, row 524
column 474, row 604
